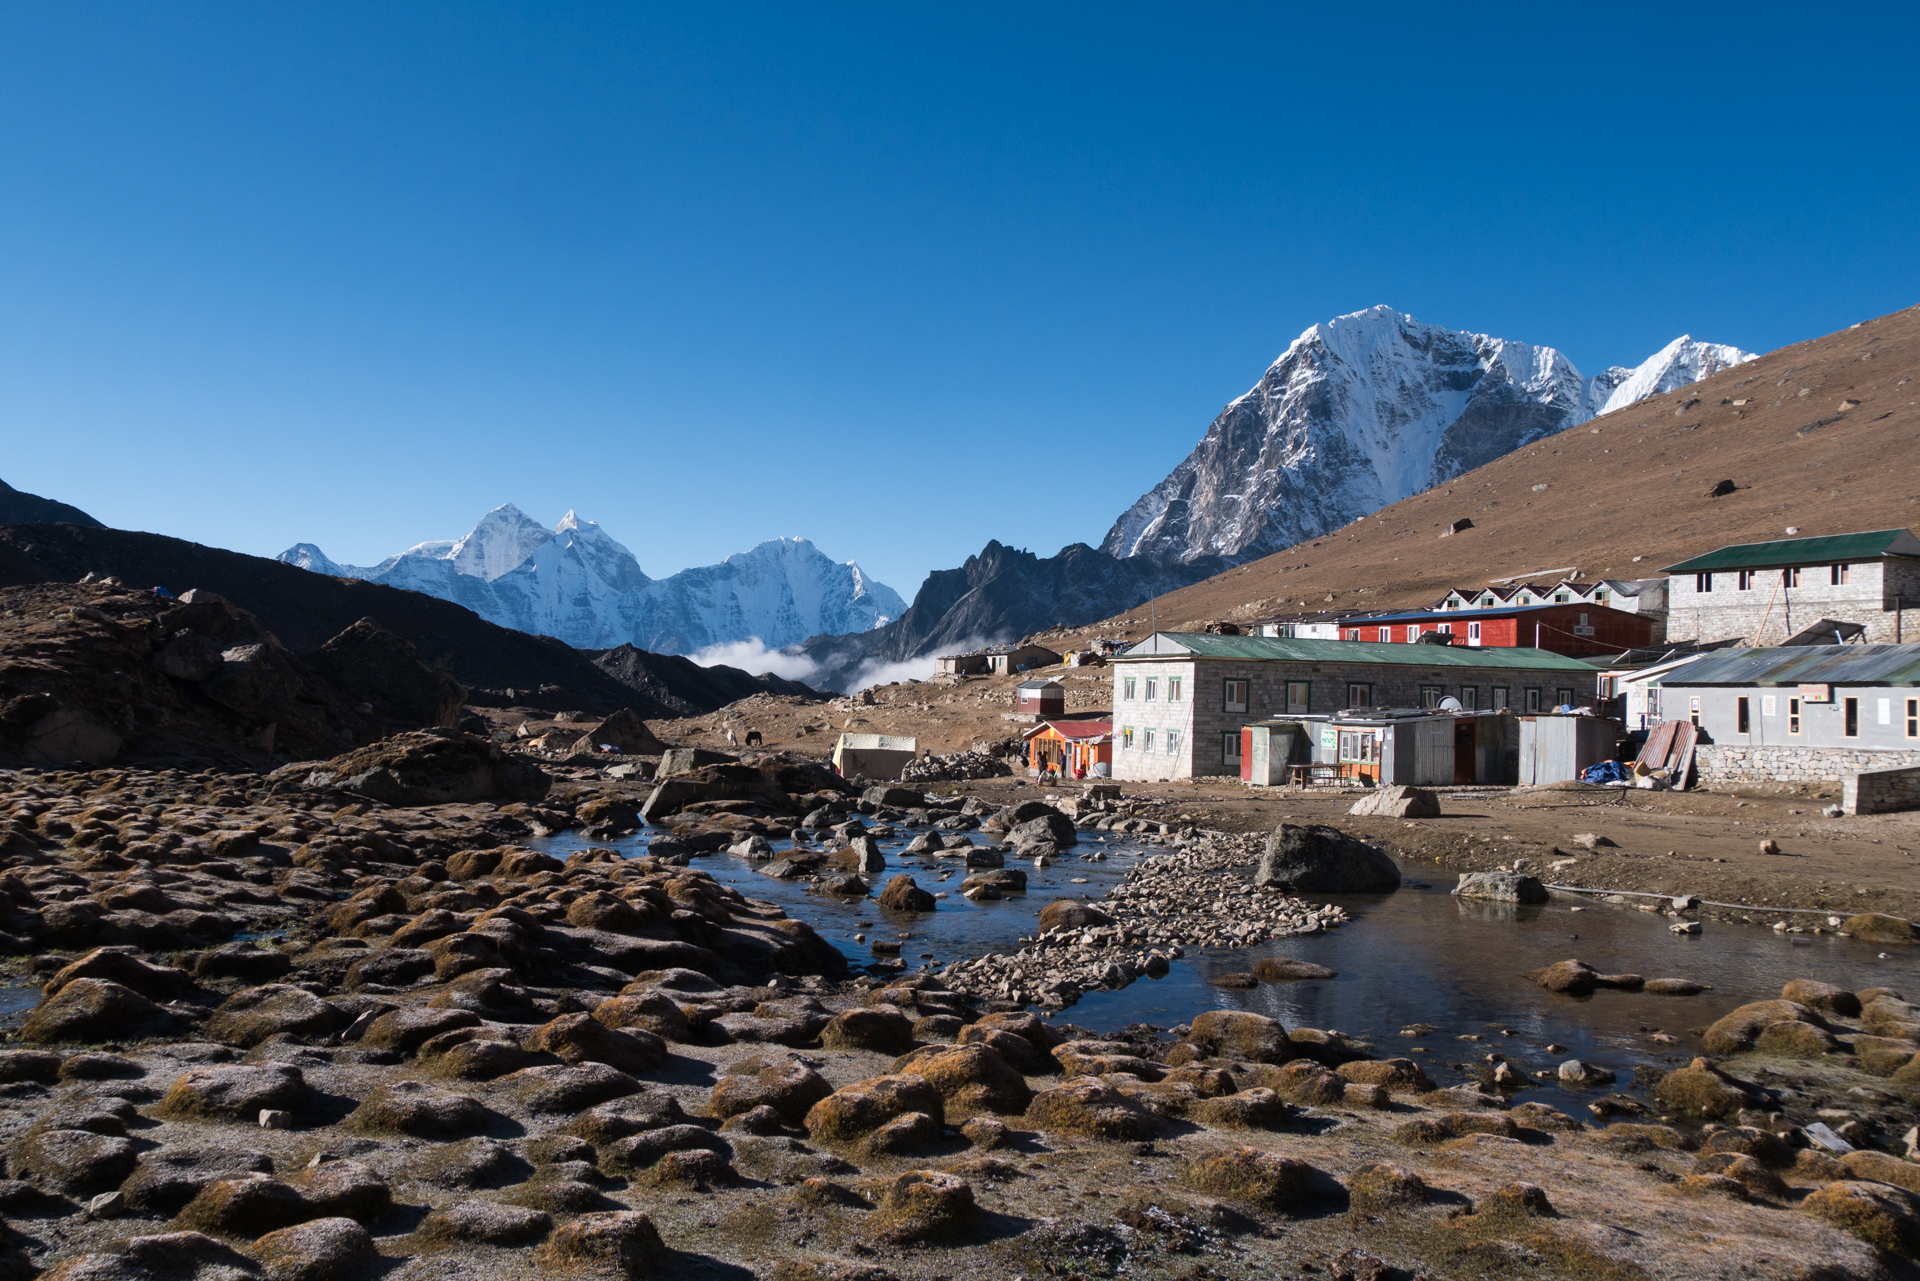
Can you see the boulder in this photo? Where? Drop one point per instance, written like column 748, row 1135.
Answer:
column 322, row 1250
column 424, row 767
column 171, row 1177
column 483, row 1223
column 1386, row 1186
column 122, row 966
column 234, row 1092
column 606, row 1122
column 408, row 1028
column 1822, row 996
column 646, row 1011
column 253, row 1014
column 1877, row 927
column 855, row 1111
column 643, row 1149
column 791, row 1089
column 1090, row 1107
column 883, row 1029
column 76, row 1162
column 246, row 1205
column 624, row 1242
column 245, row 961
column 1071, row 914
column 1700, row 1093
column 1052, row 827
column 256, row 681
column 569, row 1088
column 625, row 733
column 971, row 1079
column 923, row 1205
column 94, row 1010
column 1879, row 1213
column 1398, row 801
column 349, row 1189
column 1741, row 1028
column 408, row 1107
column 899, row 798
column 1281, row 969
column 902, row 895
column 463, row 1166
column 1241, row 1034
column 1502, row 887
column 1313, row 859
column 1248, row 1175
column 370, row 664
column 580, row 1038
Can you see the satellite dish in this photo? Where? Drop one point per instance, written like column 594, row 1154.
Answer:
column 1450, row 704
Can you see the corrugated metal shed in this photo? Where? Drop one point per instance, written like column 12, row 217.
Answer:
column 1805, row 665
column 1288, row 649
column 1804, row 551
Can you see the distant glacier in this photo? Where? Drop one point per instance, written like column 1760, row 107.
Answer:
column 576, row 583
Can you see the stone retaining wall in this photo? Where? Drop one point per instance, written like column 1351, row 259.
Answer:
column 1727, row 763
column 1882, row 791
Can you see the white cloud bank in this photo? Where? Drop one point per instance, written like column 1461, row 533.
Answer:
column 752, row 656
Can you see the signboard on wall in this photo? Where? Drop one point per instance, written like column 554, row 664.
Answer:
column 1329, row 740
column 1816, row 693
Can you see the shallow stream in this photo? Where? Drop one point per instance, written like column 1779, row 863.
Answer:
column 1415, row 956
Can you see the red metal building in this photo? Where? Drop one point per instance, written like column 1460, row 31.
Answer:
column 1574, row 630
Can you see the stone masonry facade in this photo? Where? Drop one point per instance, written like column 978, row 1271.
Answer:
column 1882, row 596
column 1726, row 763
column 1882, row 791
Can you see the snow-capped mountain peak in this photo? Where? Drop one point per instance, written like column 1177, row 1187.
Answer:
column 578, row 583
column 498, row 545
column 1364, row 410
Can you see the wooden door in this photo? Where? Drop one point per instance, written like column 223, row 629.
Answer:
column 1463, row 754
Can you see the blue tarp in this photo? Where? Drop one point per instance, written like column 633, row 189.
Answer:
column 1606, row 772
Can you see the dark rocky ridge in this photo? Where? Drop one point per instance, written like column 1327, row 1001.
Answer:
column 1003, row 594
column 303, row 610
column 17, row 507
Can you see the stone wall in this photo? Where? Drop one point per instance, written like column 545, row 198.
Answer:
column 1882, row 791
column 1724, row 763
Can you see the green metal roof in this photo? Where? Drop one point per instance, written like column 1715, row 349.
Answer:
column 1805, row 665
column 1288, row 649
column 1832, row 549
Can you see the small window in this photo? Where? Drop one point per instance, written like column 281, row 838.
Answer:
column 1353, row 633
column 1563, row 698
column 1500, row 701
column 1359, row 696
column 1173, row 742
column 1469, row 697
column 1703, row 582
column 1153, row 688
column 1486, row 602
column 1357, row 745
column 1741, row 723
column 1236, row 697
column 1561, row 598
column 1473, row 633
column 1386, row 633
column 1149, row 740
column 1413, row 633
column 1299, row 698
column 1286, row 629
column 1173, row 689
column 1693, row 709
column 1913, row 718
column 1430, row 695
column 1745, row 580
column 1126, row 689
column 1126, row 738
column 1793, row 716
column 1229, row 749
column 1853, row 718
column 1533, row 700
column 1602, row 596
column 1790, row 577
column 1769, row 705
column 1837, row 575
column 1445, row 629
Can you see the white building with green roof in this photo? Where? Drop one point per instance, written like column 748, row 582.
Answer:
column 1773, row 592
column 1180, row 699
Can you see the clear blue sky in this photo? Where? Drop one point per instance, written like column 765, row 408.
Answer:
column 898, row 278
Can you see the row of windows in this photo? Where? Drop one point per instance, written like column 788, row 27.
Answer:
column 1850, row 728
column 1236, row 695
column 1746, row 580
column 1143, row 740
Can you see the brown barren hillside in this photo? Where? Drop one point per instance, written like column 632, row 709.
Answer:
column 1823, row 435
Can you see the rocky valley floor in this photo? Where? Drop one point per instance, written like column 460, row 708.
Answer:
column 285, row 1031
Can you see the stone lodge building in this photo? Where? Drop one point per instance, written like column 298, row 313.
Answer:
column 1181, row 698
column 1764, row 593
